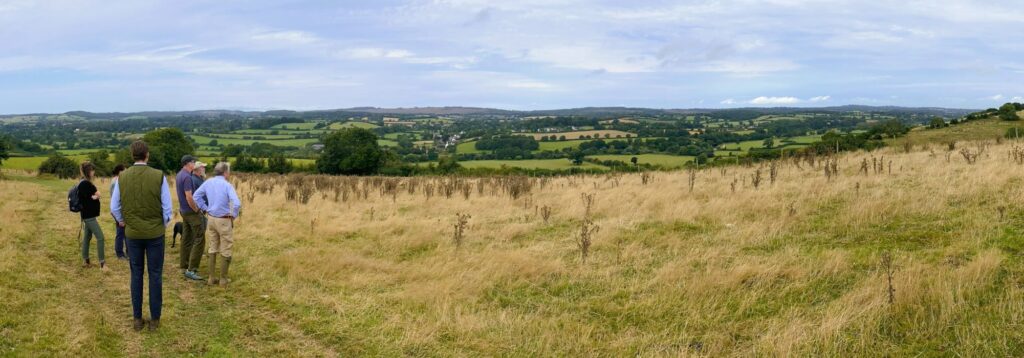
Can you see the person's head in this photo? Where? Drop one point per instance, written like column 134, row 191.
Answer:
column 222, row 169
column 140, row 151
column 200, row 169
column 88, row 170
column 118, row 169
column 188, row 163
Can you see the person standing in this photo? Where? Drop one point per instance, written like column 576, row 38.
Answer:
column 217, row 197
column 199, row 246
column 118, row 228
column 141, row 202
column 89, row 196
column 191, row 217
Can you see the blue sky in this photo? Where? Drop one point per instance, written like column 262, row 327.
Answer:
column 137, row 55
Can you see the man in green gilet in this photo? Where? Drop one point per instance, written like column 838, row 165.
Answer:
column 141, row 202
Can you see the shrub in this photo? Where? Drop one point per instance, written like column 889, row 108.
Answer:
column 59, row 165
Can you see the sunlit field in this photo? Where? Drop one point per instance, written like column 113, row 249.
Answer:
column 778, row 259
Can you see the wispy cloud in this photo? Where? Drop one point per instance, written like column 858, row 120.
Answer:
column 769, row 101
column 298, row 37
column 526, row 54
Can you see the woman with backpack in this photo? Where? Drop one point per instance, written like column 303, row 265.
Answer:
column 89, row 199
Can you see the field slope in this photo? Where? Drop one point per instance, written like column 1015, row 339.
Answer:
column 789, row 267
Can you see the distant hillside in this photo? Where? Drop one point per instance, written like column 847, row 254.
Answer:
column 982, row 129
column 730, row 113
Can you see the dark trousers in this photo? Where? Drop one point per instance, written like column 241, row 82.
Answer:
column 119, row 240
column 193, row 241
column 149, row 254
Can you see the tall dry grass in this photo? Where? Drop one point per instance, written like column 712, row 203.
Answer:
column 784, row 268
column 791, row 267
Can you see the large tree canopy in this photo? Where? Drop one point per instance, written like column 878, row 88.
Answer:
column 351, row 151
column 166, row 147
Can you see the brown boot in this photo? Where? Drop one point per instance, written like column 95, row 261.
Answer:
column 213, row 270
column 154, row 325
column 138, row 325
column 224, row 272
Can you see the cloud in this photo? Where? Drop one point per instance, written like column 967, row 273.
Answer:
column 376, row 53
column 531, row 53
column 774, row 100
column 406, row 56
column 529, row 84
column 297, row 37
column 998, row 97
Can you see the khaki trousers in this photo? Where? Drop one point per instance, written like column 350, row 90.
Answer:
column 219, row 236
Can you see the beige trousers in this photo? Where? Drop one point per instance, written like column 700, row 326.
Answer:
column 219, row 236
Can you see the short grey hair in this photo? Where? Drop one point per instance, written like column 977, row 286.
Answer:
column 221, row 168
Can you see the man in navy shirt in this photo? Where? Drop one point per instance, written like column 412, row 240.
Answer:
column 191, row 246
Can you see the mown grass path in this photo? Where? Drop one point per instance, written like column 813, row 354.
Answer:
column 51, row 306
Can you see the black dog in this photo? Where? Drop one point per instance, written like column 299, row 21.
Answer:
column 178, row 228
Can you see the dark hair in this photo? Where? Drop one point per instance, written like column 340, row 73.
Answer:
column 118, row 169
column 139, row 150
column 87, row 167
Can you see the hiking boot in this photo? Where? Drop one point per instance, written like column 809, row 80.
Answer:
column 224, row 272
column 193, row 275
column 213, row 270
column 86, row 264
column 154, row 325
column 138, row 324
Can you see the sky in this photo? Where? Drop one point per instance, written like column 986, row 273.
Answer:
column 137, row 55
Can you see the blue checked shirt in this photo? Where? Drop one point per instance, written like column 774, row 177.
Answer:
column 217, row 197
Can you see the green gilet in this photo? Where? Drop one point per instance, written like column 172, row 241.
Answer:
column 139, row 186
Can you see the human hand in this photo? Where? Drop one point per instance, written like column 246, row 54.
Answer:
column 121, row 224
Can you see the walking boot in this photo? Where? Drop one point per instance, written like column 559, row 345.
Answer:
column 213, row 269
column 138, row 324
column 154, row 325
column 224, row 272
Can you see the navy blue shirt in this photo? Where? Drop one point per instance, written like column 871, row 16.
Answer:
column 182, row 183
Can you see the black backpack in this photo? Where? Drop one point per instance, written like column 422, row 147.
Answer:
column 73, row 204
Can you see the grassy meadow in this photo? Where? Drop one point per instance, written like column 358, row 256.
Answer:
column 664, row 160
column 791, row 266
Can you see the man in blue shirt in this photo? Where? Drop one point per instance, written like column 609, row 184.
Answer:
column 218, row 199
column 144, row 214
column 191, row 244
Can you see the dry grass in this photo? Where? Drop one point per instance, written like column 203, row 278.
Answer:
column 791, row 267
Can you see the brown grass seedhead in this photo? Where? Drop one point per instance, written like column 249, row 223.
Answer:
column 586, row 238
column 461, row 220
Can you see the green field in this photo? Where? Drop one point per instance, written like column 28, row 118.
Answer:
column 553, row 146
column 296, row 126
column 551, row 164
column 791, row 142
column 204, row 140
column 336, row 126
column 578, row 134
column 295, row 161
column 663, row 160
column 264, row 132
column 265, row 136
column 467, row 148
column 80, row 151
column 32, row 163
